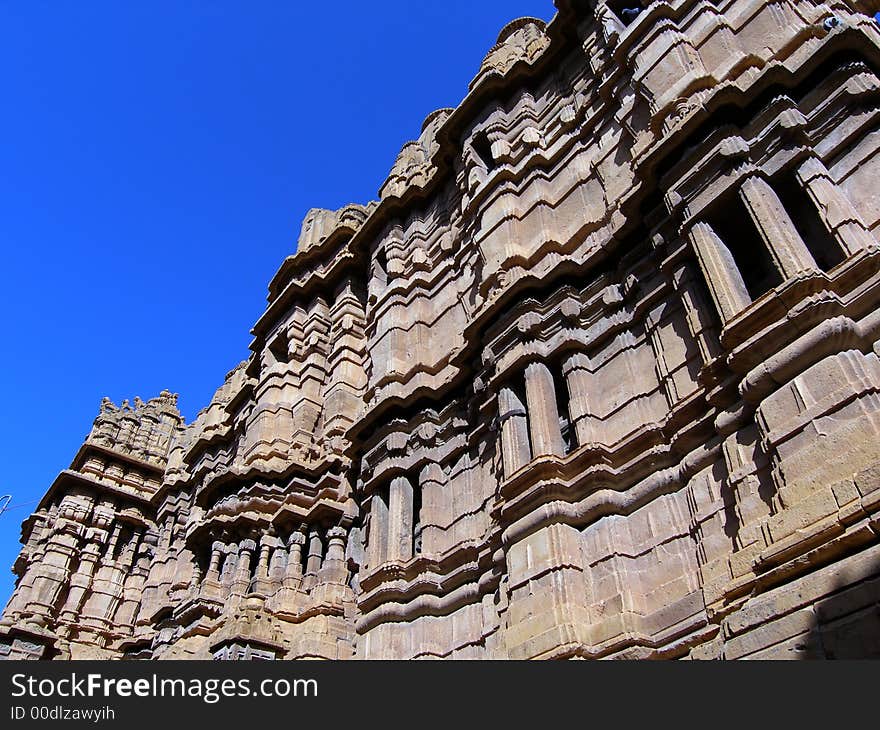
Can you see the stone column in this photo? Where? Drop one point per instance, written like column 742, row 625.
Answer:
column 213, row 573
column 515, row 449
column 395, row 248
column 131, row 596
column 787, row 248
column 316, row 552
column 126, row 555
column 227, row 574
column 835, row 208
column 726, row 284
column 80, row 581
column 543, row 413
column 578, row 379
column 293, row 571
column 150, row 588
column 400, row 519
column 333, row 570
column 437, row 507
column 278, row 564
column 111, row 545
column 260, row 583
column 196, row 578
column 242, row 579
column 336, row 544
column 313, row 559
column 701, row 320
column 377, row 548
column 53, row 572
column 263, row 563
column 167, row 533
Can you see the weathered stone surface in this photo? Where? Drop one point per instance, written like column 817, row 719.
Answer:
column 597, row 376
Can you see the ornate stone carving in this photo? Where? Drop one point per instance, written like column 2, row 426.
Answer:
column 414, row 165
column 598, row 377
column 522, row 39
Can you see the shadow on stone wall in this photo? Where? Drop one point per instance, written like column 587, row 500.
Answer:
column 847, row 622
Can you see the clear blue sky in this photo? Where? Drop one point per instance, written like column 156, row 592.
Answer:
column 157, row 159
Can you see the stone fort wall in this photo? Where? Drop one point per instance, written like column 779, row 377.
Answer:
column 596, row 376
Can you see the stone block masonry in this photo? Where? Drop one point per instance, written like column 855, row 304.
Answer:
column 596, row 377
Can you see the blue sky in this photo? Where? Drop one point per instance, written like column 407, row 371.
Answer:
column 156, row 162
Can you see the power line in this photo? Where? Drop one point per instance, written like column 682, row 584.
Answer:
column 7, row 498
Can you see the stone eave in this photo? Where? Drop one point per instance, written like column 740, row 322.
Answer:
column 729, row 94
column 297, row 287
column 647, row 166
column 90, row 446
column 68, row 475
column 388, row 208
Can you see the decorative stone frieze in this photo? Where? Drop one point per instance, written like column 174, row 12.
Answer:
column 596, row 377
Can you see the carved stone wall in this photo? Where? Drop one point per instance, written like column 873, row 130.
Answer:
column 597, row 376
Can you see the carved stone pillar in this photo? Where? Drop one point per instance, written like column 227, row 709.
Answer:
column 725, row 283
column 196, row 578
column 316, row 552
column 263, row 563
column 149, row 590
column 437, row 507
column 336, row 544
column 111, row 545
column 787, row 248
column 260, row 583
column 377, row 548
column 126, row 555
column 543, row 413
column 333, row 570
column 213, row 573
column 400, row 519
column 52, row 573
column 293, row 572
column 131, row 596
column 242, row 579
column 698, row 310
column 835, row 208
column 80, row 581
column 395, row 247
column 515, row 449
column 278, row 564
column 227, row 574
column 167, row 535
column 578, row 379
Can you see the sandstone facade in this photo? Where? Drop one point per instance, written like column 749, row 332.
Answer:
column 597, row 376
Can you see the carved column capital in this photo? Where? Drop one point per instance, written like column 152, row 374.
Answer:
column 337, row 533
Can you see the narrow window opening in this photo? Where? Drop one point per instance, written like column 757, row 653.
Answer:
column 702, row 291
column 359, row 289
column 735, row 228
column 418, row 521
column 280, row 348
column 483, row 148
column 566, row 428
column 378, row 273
column 826, row 251
column 626, row 10
column 126, row 534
